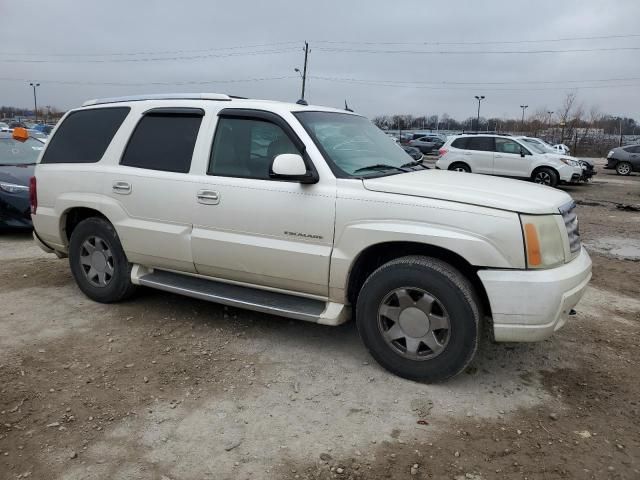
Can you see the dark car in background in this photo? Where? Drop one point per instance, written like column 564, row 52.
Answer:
column 624, row 160
column 413, row 152
column 17, row 162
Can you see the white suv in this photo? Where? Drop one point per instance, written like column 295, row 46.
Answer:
column 508, row 157
column 309, row 213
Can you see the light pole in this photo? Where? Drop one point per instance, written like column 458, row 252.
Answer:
column 479, row 98
column 35, row 99
column 523, row 107
column 549, row 123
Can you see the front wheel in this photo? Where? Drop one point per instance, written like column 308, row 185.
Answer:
column 460, row 167
column 546, row 176
column 623, row 168
column 419, row 318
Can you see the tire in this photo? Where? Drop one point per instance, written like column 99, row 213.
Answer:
column 546, row 176
column 623, row 168
column 98, row 263
column 449, row 299
column 460, row 167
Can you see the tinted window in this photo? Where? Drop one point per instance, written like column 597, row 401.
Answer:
column 460, row 143
column 245, row 147
column 163, row 142
column 505, row 145
column 484, row 144
column 84, row 135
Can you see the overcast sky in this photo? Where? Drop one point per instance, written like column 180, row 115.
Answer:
column 168, row 46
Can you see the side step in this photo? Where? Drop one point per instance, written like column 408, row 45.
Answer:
column 275, row 303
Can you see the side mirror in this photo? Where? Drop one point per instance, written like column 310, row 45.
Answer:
column 522, row 152
column 291, row 166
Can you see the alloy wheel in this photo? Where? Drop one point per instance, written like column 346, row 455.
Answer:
column 97, row 261
column 543, row 178
column 414, row 323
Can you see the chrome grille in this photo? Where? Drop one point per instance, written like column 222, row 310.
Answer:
column 570, row 218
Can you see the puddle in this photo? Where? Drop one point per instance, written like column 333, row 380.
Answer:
column 624, row 248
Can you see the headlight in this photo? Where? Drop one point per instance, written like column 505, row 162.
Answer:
column 13, row 188
column 570, row 161
column 544, row 244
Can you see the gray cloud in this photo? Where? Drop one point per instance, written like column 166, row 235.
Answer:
column 38, row 39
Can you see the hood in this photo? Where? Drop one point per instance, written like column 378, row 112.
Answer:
column 482, row 190
column 18, row 174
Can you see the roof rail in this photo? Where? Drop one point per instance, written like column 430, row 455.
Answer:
column 489, row 132
column 159, row 96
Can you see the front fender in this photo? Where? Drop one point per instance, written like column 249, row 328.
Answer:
column 496, row 243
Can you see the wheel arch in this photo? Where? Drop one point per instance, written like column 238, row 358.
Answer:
column 378, row 254
column 453, row 164
column 72, row 217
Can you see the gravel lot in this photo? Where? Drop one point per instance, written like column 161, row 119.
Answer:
column 166, row 387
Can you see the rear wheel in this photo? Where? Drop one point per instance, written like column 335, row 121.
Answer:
column 419, row 318
column 460, row 167
column 98, row 262
column 623, row 168
column 546, row 176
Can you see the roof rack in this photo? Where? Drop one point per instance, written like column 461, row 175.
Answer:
column 159, row 96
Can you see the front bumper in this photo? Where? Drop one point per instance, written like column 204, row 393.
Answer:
column 570, row 173
column 529, row 305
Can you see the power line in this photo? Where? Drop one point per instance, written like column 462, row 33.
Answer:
column 144, row 84
column 488, row 42
column 166, row 52
column 442, row 87
column 473, row 52
column 448, row 82
column 327, row 42
column 152, row 59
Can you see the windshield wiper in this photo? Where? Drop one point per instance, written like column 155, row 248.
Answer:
column 415, row 163
column 16, row 164
column 380, row 166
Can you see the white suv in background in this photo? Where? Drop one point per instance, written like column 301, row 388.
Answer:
column 506, row 156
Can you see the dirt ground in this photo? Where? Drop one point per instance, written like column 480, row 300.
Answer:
column 165, row 387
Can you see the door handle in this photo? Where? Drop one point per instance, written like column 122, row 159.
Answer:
column 498, row 156
column 208, row 197
column 123, row 188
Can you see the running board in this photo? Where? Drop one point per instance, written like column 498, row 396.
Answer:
column 265, row 301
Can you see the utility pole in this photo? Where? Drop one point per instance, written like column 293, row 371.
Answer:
column 303, row 74
column 523, row 107
column 479, row 98
column 549, row 124
column 35, row 99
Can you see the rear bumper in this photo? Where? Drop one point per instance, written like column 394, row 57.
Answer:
column 529, row 305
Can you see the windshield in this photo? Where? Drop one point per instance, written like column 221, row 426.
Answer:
column 14, row 152
column 535, row 146
column 351, row 143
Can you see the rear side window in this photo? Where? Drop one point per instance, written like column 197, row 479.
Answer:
column 164, row 141
column 460, row 143
column 84, row 135
column 483, row 144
